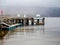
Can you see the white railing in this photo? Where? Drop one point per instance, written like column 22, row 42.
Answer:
column 5, row 24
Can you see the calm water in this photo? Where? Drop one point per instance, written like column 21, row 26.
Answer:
column 49, row 34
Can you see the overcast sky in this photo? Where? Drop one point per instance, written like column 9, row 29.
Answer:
column 45, row 3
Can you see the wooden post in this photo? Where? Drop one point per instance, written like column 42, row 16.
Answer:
column 27, row 21
column 43, row 21
column 22, row 21
column 32, row 21
column 13, row 21
column 37, row 21
column 19, row 20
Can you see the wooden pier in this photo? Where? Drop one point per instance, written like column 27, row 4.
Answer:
column 25, row 21
column 11, row 23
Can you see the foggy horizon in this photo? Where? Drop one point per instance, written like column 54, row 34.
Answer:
column 45, row 8
column 44, row 3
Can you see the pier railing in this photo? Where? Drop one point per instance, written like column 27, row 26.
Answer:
column 12, row 23
column 22, row 21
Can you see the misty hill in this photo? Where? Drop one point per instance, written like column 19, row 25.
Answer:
column 32, row 11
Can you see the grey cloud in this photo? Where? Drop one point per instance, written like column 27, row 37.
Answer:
column 47, row 3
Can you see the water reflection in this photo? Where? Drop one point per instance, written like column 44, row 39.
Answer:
column 1, row 42
column 23, row 33
column 32, row 35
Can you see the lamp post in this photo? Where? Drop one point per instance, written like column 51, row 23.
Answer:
column 18, row 15
column 25, row 16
